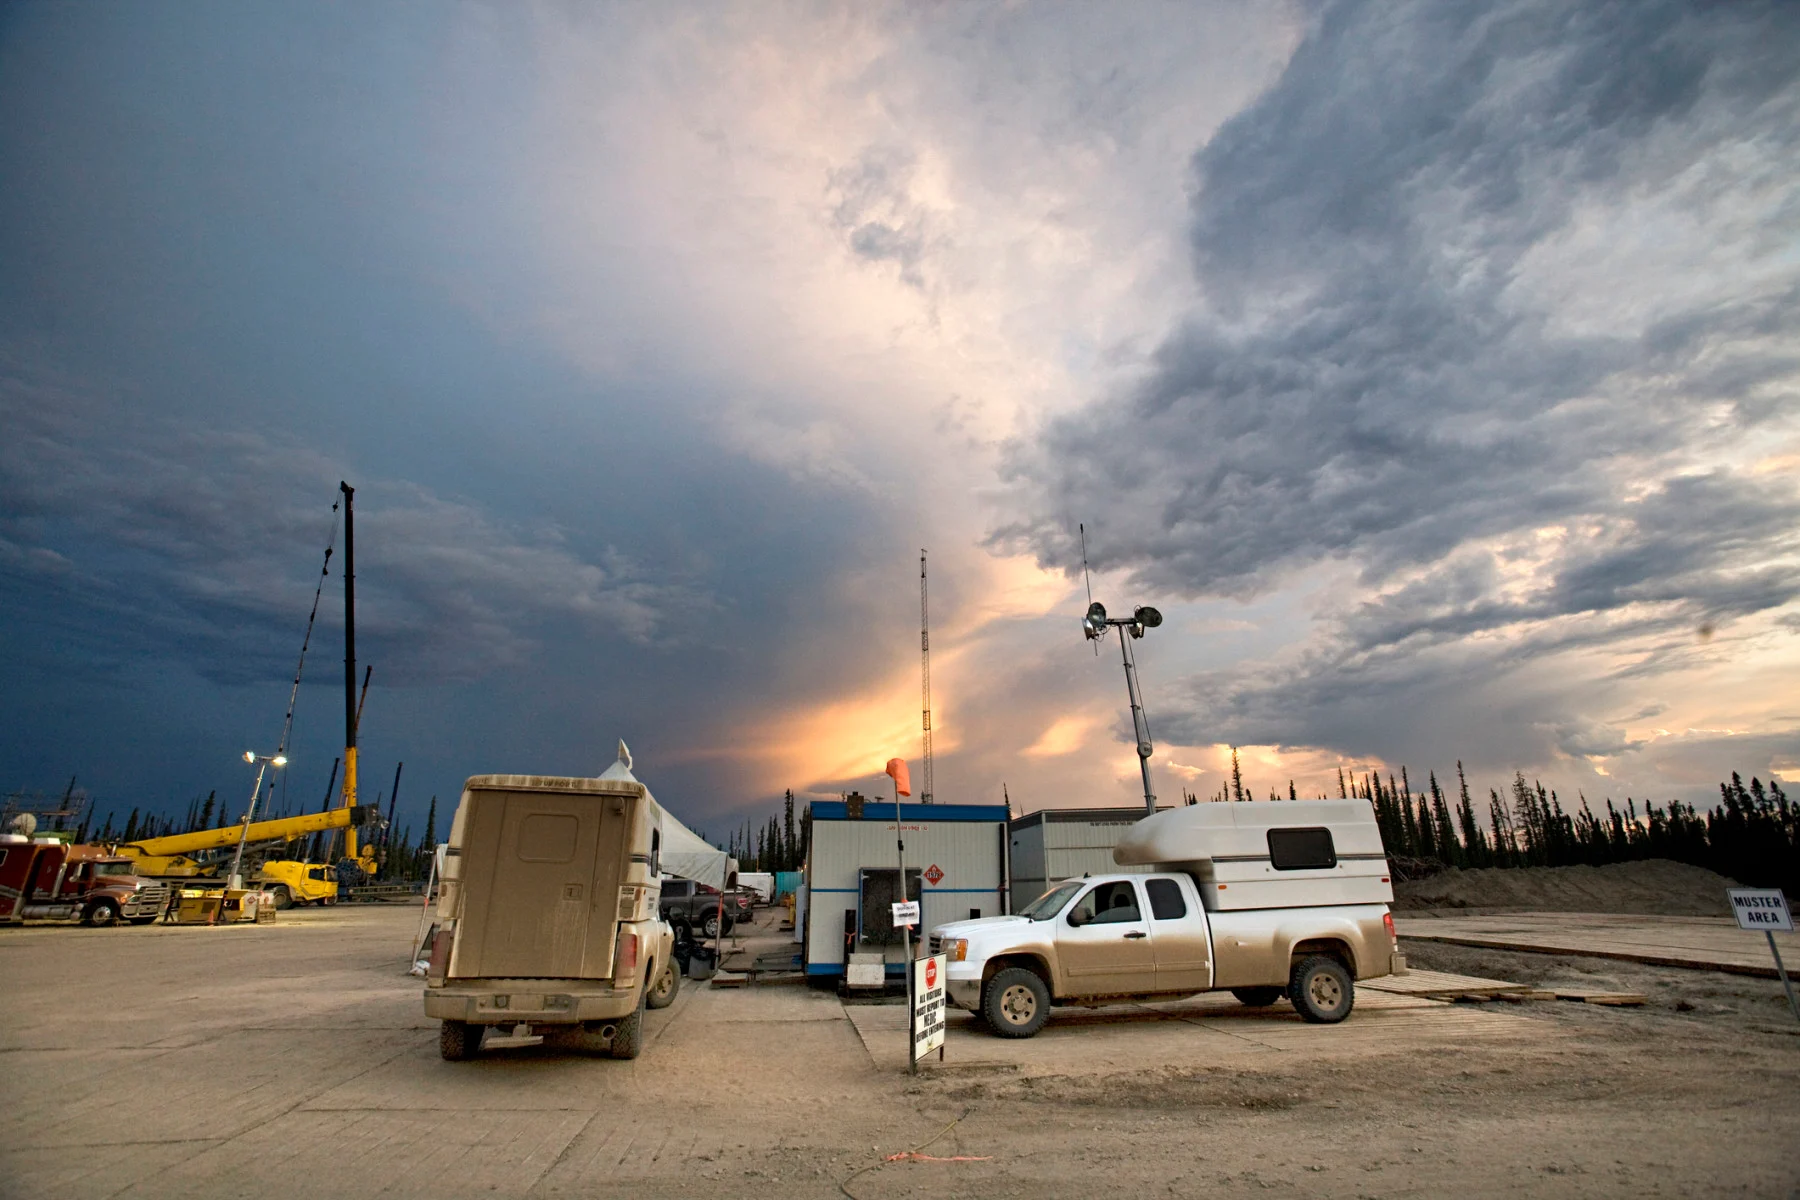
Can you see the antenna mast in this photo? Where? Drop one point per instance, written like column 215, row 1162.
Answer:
column 925, row 676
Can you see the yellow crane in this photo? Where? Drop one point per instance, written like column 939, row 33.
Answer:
column 168, row 857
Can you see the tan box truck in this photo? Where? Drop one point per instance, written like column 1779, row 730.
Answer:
column 548, row 913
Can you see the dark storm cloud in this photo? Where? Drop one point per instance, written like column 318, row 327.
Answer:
column 138, row 536
column 1360, row 382
column 1370, row 377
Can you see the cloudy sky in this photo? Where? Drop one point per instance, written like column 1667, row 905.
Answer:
column 1433, row 367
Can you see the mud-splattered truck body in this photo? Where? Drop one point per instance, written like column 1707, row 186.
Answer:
column 547, row 913
column 1262, row 899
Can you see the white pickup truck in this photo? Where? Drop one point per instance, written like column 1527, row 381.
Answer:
column 1263, row 899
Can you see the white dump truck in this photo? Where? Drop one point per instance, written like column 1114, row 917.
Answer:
column 1264, row 899
column 548, row 910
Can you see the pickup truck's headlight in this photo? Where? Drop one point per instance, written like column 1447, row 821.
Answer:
column 957, row 950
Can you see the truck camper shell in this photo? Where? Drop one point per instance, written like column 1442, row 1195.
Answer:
column 1267, row 854
column 541, row 870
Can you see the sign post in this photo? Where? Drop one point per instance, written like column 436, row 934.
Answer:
column 896, row 770
column 927, row 1030
column 1766, row 909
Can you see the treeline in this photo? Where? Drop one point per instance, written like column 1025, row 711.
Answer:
column 1752, row 836
column 780, row 844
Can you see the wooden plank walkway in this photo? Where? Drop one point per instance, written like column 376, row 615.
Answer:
column 1699, row 943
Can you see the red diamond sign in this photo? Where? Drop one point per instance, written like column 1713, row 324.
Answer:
column 934, row 874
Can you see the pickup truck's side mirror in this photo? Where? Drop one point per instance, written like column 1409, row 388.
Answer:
column 1077, row 918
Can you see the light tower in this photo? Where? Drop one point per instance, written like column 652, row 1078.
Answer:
column 1093, row 626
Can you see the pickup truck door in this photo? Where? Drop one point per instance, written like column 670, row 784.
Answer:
column 1178, row 936
column 1103, row 942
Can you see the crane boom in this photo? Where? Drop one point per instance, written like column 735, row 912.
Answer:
column 279, row 830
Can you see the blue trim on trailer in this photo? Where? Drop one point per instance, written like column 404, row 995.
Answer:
column 929, row 891
column 824, row 968
column 883, row 810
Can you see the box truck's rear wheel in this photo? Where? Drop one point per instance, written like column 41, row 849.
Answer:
column 668, row 982
column 458, row 1040
column 628, row 1035
column 1016, row 1002
column 1321, row 989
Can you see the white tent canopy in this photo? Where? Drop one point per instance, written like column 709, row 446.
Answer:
column 684, row 853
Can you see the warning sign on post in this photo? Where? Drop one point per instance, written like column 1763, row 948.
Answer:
column 928, row 1006
column 906, row 912
column 1761, row 909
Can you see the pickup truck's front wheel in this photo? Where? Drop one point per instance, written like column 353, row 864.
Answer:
column 1321, row 989
column 1016, row 1003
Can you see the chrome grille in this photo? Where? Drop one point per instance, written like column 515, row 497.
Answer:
column 937, row 945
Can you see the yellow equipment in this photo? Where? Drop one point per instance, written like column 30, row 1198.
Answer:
column 294, row 883
column 167, row 857
column 215, row 906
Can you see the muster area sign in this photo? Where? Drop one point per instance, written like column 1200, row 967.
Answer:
column 928, row 1006
column 1760, row 909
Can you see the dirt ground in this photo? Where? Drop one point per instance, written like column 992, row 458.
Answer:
column 294, row 1059
column 1654, row 885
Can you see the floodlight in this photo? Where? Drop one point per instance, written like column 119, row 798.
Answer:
column 250, row 757
column 1094, row 624
column 1148, row 617
column 279, row 760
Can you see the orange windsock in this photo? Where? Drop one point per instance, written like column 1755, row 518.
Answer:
column 902, row 781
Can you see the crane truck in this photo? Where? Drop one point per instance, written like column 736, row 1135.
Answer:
column 172, row 857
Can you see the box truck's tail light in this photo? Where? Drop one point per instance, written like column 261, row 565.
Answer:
column 1387, row 918
column 439, row 966
column 625, row 960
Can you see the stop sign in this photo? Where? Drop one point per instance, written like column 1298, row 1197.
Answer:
column 931, row 972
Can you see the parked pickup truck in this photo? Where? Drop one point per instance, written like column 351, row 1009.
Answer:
column 1262, row 899
column 698, row 906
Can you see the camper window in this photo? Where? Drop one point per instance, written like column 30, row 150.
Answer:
column 655, row 852
column 1301, row 849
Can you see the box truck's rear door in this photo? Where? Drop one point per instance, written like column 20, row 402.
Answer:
column 553, row 871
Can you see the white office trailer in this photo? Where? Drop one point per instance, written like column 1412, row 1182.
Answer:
column 1063, row 843
column 955, row 866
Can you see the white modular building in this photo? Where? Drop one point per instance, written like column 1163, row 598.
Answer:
column 1061, row 843
column 956, row 867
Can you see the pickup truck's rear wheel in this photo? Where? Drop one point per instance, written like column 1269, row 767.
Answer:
column 1016, row 1003
column 668, row 982
column 284, row 899
column 628, row 1034
column 101, row 912
column 458, row 1041
column 1257, row 997
column 1321, row 989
